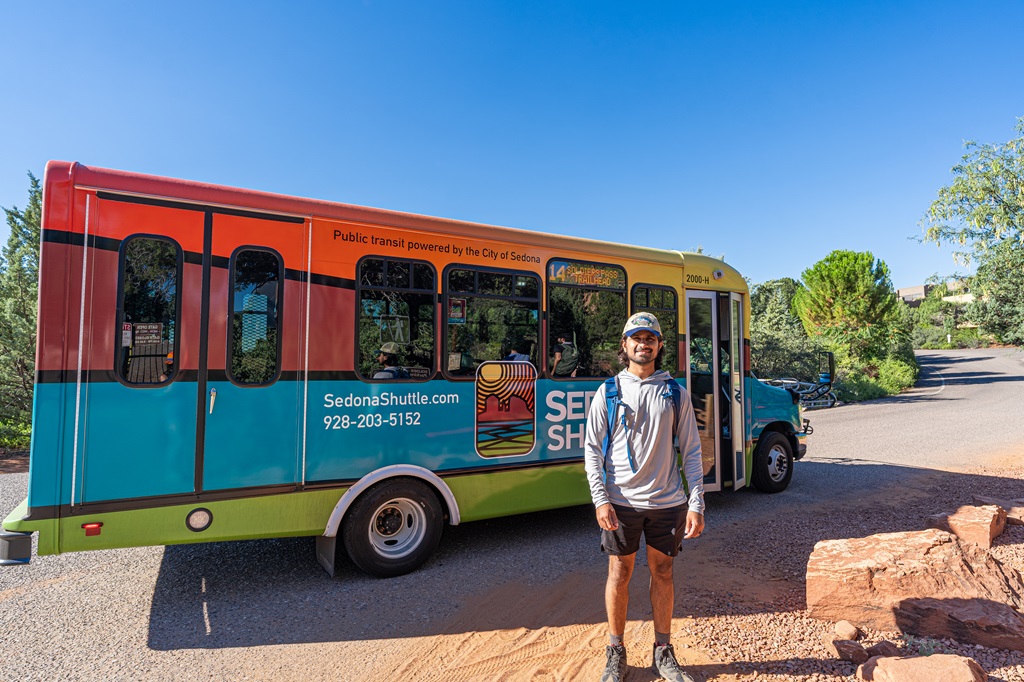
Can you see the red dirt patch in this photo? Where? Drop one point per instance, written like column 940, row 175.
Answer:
column 13, row 461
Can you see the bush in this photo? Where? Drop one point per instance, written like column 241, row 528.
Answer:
column 852, row 386
column 934, row 338
column 15, row 436
column 896, row 374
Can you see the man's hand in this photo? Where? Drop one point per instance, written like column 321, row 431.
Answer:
column 694, row 524
column 607, row 519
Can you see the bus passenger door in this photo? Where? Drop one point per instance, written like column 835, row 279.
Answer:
column 737, row 423
column 702, row 379
column 252, row 394
column 140, row 329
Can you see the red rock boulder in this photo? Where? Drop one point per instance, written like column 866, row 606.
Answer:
column 980, row 525
column 1014, row 508
column 971, row 621
column 863, row 580
column 934, row 668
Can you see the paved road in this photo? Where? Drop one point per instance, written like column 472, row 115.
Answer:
column 965, row 411
column 265, row 610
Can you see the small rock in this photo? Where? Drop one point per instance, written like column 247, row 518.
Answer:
column 845, row 649
column 884, row 648
column 944, row 667
column 847, row 630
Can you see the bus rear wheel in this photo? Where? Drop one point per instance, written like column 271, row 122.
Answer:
column 393, row 528
column 773, row 463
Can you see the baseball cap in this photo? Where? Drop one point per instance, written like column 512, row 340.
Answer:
column 389, row 348
column 642, row 322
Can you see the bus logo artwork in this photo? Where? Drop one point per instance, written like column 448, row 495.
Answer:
column 505, row 408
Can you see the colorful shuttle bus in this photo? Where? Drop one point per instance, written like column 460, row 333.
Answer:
column 221, row 364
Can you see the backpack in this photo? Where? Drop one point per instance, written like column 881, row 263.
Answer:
column 570, row 358
column 612, row 400
column 397, row 372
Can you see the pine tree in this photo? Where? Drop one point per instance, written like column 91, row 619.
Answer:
column 19, row 280
column 848, row 297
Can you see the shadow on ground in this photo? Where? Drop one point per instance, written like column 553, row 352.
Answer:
column 542, row 569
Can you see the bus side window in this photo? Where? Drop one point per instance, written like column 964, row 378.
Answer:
column 587, row 307
column 662, row 302
column 490, row 313
column 397, row 309
column 254, row 343
column 150, row 272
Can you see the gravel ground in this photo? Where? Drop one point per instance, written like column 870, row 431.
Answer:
column 781, row 642
column 276, row 617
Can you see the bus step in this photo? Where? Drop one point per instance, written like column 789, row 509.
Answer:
column 15, row 548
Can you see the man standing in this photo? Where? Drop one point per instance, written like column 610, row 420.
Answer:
column 633, row 471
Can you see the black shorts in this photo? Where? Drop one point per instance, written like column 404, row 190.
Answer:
column 663, row 529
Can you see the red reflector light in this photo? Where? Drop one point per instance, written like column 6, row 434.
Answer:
column 92, row 528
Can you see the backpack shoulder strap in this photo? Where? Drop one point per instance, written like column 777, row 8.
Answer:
column 611, row 398
column 613, row 401
column 677, row 402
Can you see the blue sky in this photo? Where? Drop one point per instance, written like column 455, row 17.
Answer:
column 772, row 133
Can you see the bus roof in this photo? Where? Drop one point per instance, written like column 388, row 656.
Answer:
column 138, row 184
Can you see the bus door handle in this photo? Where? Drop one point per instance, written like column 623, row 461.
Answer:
column 213, row 398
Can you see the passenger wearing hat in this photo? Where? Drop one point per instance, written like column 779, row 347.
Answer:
column 387, row 356
column 168, row 368
column 637, row 488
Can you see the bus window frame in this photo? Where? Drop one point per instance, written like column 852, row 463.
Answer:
column 119, row 311
column 657, row 313
column 548, row 286
column 446, row 295
column 357, row 307
column 229, row 330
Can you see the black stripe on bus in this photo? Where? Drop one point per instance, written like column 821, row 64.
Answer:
column 102, row 376
column 331, row 281
column 103, row 243
column 140, row 503
column 185, row 206
column 191, row 257
column 77, row 239
column 204, row 347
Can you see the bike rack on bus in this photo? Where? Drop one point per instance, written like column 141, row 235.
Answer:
column 813, row 394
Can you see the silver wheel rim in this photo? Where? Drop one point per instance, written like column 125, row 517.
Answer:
column 778, row 463
column 397, row 528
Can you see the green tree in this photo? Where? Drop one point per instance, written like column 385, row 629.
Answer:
column 998, row 288
column 848, row 298
column 984, row 205
column 779, row 345
column 19, row 278
column 982, row 210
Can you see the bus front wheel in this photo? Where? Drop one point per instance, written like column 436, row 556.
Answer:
column 393, row 528
column 773, row 463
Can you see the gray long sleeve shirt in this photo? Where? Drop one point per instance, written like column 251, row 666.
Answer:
column 650, row 417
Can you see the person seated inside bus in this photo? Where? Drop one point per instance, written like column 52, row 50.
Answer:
column 567, row 357
column 387, row 356
column 168, row 368
column 514, row 353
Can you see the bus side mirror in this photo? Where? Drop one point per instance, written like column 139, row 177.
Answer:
column 826, row 367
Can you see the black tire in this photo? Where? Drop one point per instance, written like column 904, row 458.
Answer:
column 773, row 463
column 393, row 527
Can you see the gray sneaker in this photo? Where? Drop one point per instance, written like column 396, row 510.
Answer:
column 615, row 670
column 665, row 664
